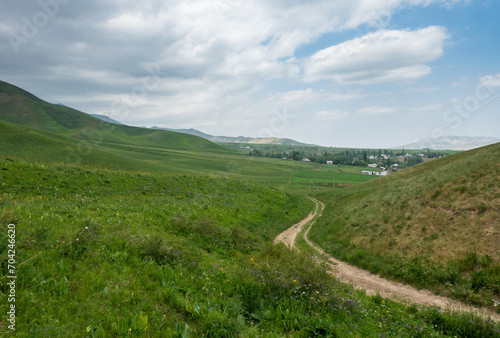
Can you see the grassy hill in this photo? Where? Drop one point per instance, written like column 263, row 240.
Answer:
column 21, row 107
column 104, row 253
column 130, row 232
column 436, row 225
column 26, row 143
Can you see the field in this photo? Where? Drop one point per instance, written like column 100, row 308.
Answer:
column 120, row 232
column 107, row 253
column 348, row 176
column 434, row 226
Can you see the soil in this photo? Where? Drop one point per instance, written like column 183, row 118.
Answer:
column 373, row 284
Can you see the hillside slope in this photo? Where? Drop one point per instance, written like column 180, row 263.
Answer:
column 21, row 107
column 433, row 224
column 22, row 142
column 111, row 254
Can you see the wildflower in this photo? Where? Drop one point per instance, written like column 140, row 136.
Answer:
column 294, row 281
column 251, row 260
column 88, row 328
column 63, row 242
column 86, row 228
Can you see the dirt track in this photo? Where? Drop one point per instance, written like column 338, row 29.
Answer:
column 369, row 282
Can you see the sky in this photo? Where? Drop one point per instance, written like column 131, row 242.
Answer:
column 353, row 73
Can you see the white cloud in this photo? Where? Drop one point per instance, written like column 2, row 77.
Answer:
column 428, row 107
column 383, row 56
column 459, row 83
column 491, row 80
column 215, row 59
column 332, row 115
column 376, row 110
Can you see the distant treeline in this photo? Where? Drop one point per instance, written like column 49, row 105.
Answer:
column 356, row 157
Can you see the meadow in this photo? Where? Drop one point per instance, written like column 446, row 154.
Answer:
column 106, row 253
column 433, row 226
column 123, row 231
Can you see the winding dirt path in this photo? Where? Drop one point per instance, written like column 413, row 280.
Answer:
column 371, row 283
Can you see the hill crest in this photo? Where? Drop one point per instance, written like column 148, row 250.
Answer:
column 23, row 108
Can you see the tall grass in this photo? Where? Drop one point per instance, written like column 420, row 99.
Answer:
column 429, row 226
column 111, row 253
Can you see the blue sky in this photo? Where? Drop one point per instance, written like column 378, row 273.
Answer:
column 337, row 73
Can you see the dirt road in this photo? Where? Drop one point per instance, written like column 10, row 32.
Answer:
column 369, row 282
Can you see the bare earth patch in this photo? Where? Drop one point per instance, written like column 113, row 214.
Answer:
column 369, row 282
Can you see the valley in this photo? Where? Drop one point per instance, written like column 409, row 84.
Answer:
column 125, row 231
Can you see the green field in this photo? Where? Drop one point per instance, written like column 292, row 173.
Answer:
column 129, row 233
column 109, row 253
column 435, row 226
column 325, row 177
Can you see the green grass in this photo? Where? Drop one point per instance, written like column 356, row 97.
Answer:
column 125, row 231
column 421, row 226
column 32, row 144
column 325, row 177
column 20, row 107
column 104, row 253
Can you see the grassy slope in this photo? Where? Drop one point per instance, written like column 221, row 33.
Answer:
column 32, row 144
column 21, row 107
column 434, row 225
column 113, row 253
column 146, row 252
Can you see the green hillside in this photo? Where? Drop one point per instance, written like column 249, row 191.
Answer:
column 20, row 107
column 436, row 225
column 103, row 253
column 115, row 231
column 30, row 144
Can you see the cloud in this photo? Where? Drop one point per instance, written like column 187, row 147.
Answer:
column 376, row 110
column 332, row 115
column 426, row 108
column 491, row 80
column 216, row 61
column 383, row 56
column 459, row 83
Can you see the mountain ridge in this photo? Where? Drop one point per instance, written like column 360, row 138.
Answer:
column 452, row 143
column 240, row 139
column 23, row 108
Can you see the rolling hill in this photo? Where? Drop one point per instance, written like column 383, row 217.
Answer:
column 435, row 225
column 240, row 139
column 21, row 107
column 170, row 236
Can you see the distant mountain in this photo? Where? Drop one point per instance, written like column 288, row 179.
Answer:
column 106, row 118
column 239, row 139
column 452, row 143
column 187, row 131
